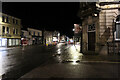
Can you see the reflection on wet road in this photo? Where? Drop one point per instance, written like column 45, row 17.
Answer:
column 19, row 60
column 68, row 53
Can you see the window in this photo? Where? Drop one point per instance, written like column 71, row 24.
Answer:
column 7, row 19
column 7, row 30
column 16, row 31
column 16, row 21
column 22, row 34
column 117, row 28
column 34, row 33
column 117, row 32
column 91, row 27
column 3, row 30
column 13, row 30
column 3, row 18
column 13, row 21
column 29, row 33
column 38, row 34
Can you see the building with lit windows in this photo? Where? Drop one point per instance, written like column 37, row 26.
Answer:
column 48, row 37
column 35, row 36
column 10, row 30
column 100, row 27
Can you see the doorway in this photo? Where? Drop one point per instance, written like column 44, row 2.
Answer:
column 91, row 41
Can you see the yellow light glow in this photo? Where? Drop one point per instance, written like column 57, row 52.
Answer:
column 109, row 6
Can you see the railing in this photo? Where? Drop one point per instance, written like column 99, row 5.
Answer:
column 113, row 48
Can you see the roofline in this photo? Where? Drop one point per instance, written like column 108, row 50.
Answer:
column 9, row 15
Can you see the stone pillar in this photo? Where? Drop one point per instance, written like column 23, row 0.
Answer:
column 85, row 36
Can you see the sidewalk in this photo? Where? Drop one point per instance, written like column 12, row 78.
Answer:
column 101, row 58
column 98, row 58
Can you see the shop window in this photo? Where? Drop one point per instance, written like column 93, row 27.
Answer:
column 17, row 41
column 3, row 30
column 14, row 42
column 10, row 42
column 4, row 42
column 0, row 42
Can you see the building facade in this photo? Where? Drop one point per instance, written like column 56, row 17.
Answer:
column 26, row 39
column 10, row 30
column 100, row 27
column 35, row 36
column 48, row 37
column 56, row 36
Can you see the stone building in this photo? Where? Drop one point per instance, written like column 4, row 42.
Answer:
column 26, row 38
column 35, row 36
column 48, row 37
column 100, row 27
column 10, row 30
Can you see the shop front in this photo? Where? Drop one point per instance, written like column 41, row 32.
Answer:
column 7, row 42
column 3, row 42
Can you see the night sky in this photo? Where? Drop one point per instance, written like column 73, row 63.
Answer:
column 49, row 16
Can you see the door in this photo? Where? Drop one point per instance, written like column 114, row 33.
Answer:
column 91, row 41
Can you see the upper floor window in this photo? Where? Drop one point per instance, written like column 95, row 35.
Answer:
column 7, row 30
column 16, row 21
column 13, row 21
column 3, row 30
column 13, row 30
column 22, row 33
column 38, row 34
column 7, row 19
column 34, row 33
column 16, row 31
column 3, row 18
column 29, row 33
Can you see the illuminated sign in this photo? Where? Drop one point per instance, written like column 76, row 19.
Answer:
column 77, row 28
column 55, row 39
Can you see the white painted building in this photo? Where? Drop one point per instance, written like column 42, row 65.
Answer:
column 35, row 36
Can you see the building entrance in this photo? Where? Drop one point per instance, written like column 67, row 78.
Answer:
column 91, row 41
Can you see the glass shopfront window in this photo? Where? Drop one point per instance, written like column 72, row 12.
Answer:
column 10, row 42
column 14, row 42
column 0, row 42
column 4, row 42
column 17, row 41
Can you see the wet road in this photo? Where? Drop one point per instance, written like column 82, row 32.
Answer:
column 19, row 60
column 63, row 60
column 66, row 64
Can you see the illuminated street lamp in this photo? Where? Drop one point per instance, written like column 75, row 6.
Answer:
column 73, row 29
